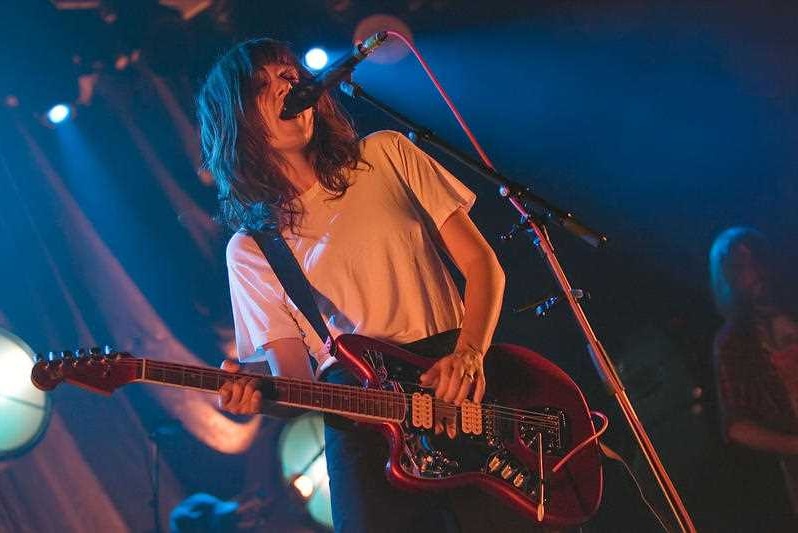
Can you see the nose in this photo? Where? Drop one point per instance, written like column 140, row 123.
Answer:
column 283, row 88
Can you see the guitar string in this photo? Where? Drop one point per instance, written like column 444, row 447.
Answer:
column 376, row 394
column 386, row 395
column 390, row 396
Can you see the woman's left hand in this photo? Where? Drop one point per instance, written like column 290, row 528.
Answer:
column 455, row 375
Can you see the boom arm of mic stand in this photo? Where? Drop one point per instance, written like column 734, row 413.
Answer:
column 507, row 188
column 535, row 211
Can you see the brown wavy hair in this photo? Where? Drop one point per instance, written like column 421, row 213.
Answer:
column 254, row 193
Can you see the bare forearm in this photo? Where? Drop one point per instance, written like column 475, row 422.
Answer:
column 484, row 292
column 760, row 438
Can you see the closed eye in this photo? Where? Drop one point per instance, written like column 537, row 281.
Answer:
column 290, row 77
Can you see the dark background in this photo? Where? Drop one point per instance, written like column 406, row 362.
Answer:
column 658, row 123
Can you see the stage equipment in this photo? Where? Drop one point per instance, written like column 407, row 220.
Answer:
column 304, row 467
column 24, row 410
column 307, row 92
column 59, row 113
column 315, row 58
column 537, row 215
column 391, row 51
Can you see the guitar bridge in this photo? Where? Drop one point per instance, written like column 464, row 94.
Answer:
column 550, row 424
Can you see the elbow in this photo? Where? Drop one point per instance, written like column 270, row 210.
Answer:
column 486, row 272
column 497, row 272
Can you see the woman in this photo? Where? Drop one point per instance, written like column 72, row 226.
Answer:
column 363, row 218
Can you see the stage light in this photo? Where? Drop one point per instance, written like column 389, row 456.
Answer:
column 315, row 59
column 304, row 465
column 304, row 486
column 58, row 113
column 24, row 409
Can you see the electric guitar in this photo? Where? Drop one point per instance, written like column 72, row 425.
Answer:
column 509, row 445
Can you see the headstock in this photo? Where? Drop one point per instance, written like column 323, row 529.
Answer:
column 98, row 370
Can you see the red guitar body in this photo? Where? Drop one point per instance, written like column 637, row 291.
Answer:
column 528, row 398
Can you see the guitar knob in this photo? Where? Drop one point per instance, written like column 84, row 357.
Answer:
column 67, row 354
column 107, row 350
column 81, row 352
column 39, row 357
column 52, row 356
column 95, row 350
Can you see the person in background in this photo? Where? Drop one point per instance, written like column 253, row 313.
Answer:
column 756, row 370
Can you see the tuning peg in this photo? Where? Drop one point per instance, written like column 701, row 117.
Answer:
column 39, row 357
column 107, row 350
column 95, row 350
column 66, row 354
column 52, row 356
column 81, row 352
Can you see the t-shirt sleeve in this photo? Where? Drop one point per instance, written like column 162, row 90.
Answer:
column 260, row 312
column 435, row 188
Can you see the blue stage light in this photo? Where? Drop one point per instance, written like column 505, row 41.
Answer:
column 58, row 113
column 315, row 59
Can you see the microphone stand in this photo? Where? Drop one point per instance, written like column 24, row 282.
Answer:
column 535, row 214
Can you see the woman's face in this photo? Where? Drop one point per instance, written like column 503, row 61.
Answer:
column 273, row 83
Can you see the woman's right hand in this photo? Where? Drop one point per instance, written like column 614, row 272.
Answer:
column 240, row 396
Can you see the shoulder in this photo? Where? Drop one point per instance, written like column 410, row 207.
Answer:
column 382, row 141
column 241, row 249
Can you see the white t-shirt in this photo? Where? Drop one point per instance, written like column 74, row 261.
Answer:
column 369, row 256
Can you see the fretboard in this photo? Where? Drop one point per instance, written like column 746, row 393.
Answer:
column 327, row 397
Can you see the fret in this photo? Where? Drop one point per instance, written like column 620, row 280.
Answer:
column 283, row 390
column 361, row 402
column 318, row 395
column 193, row 379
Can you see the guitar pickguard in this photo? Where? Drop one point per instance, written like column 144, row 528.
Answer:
column 502, row 450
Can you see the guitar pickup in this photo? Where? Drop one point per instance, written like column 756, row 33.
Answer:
column 471, row 418
column 421, row 406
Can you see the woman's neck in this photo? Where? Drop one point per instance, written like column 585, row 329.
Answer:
column 299, row 171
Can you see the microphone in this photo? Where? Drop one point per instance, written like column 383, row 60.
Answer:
column 306, row 93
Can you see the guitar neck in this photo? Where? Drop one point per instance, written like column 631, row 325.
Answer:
column 345, row 400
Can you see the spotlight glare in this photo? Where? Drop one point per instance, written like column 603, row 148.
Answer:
column 304, row 486
column 58, row 113
column 315, row 59
column 24, row 409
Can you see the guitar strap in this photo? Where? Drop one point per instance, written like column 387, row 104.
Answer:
column 296, row 284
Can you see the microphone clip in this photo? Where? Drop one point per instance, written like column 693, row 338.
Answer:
column 542, row 307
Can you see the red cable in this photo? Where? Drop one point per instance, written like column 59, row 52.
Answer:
column 585, row 442
column 446, row 98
